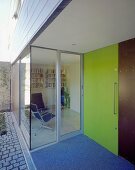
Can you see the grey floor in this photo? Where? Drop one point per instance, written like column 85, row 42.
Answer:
column 70, row 121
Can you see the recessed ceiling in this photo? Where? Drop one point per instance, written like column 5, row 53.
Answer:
column 86, row 25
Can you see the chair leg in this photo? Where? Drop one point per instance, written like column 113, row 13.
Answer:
column 46, row 127
column 42, row 126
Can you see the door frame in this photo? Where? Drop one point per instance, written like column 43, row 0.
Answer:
column 58, row 96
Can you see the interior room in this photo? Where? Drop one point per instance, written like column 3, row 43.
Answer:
column 44, row 75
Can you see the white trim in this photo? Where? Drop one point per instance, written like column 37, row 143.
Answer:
column 82, row 93
column 58, row 93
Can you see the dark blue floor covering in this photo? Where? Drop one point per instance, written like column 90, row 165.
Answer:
column 78, row 153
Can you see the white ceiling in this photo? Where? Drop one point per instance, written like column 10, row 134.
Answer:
column 90, row 24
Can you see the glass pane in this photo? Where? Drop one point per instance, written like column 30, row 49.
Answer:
column 15, row 90
column 43, row 97
column 25, row 97
column 70, row 93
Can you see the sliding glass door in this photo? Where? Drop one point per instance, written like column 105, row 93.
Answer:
column 55, row 95
column 25, row 97
column 70, row 93
column 43, row 97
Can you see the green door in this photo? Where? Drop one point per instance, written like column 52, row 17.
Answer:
column 101, row 96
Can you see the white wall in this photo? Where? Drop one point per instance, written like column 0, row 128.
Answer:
column 32, row 16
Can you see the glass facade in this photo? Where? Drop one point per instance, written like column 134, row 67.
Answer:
column 15, row 90
column 43, row 97
column 25, row 97
column 48, row 95
column 70, row 93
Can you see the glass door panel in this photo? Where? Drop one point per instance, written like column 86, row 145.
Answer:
column 43, row 96
column 25, row 97
column 70, row 93
column 15, row 90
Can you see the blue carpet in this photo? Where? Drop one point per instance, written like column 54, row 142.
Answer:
column 78, row 153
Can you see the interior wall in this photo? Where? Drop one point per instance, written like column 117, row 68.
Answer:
column 5, row 86
column 100, row 74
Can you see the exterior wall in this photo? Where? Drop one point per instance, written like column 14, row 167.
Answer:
column 100, row 77
column 4, row 86
column 32, row 16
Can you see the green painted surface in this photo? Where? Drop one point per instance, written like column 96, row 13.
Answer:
column 100, row 74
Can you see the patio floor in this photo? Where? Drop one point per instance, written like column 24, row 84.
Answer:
column 12, row 153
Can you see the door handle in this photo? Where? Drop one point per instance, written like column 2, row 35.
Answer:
column 115, row 100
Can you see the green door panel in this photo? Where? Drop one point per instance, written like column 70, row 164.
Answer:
column 101, row 96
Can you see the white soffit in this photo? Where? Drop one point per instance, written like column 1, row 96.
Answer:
column 90, row 24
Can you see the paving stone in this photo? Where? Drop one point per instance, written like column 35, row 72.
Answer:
column 10, row 167
column 22, row 162
column 9, row 158
column 1, row 161
column 11, row 155
column 3, row 149
column 23, row 167
column 0, row 166
column 5, row 152
column 13, row 161
column 15, row 156
column 12, row 150
column 18, row 152
column 20, row 159
column 4, row 156
column 5, row 146
column 9, row 147
column 6, row 163
column 16, row 165
column 20, row 155
column 16, row 168
column 4, row 168
column 17, row 148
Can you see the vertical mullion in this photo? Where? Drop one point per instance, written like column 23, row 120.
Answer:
column 20, row 92
column 82, row 93
column 58, row 95
column 30, row 116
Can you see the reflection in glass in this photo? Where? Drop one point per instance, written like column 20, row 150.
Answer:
column 43, row 97
column 15, row 90
column 25, row 97
column 70, row 93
